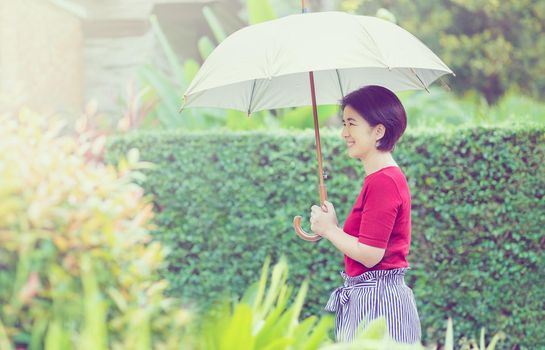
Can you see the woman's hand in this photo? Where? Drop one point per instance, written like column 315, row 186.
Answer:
column 322, row 223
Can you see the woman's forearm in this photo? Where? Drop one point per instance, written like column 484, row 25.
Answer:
column 349, row 245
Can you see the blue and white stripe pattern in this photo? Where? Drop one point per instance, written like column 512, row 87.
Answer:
column 373, row 294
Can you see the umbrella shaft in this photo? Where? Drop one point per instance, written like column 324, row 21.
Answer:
column 323, row 193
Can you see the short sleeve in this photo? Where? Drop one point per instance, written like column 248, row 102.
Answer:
column 380, row 208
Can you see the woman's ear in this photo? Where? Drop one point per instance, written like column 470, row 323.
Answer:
column 380, row 131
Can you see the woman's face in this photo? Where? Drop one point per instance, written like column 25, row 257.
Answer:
column 359, row 136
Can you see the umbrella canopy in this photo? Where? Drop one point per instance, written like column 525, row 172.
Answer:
column 273, row 64
column 266, row 65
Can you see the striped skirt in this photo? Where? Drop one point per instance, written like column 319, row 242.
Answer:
column 373, row 294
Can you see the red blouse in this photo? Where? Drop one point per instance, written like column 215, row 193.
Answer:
column 381, row 217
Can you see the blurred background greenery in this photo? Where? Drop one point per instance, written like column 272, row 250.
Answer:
column 493, row 49
column 133, row 60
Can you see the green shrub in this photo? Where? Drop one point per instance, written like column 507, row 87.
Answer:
column 226, row 201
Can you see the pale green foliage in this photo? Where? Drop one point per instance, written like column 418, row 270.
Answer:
column 214, row 23
column 440, row 108
column 263, row 318
column 472, row 344
column 79, row 268
column 259, row 11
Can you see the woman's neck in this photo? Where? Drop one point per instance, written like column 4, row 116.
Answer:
column 378, row 160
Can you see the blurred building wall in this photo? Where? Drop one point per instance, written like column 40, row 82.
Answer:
column 112, row 62
column 57, row 55
column 41, row 60
column 119, row 41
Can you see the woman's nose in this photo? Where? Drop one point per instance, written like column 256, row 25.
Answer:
column 344, row 132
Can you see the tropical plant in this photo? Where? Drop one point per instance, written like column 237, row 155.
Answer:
column 135, row 111
column 471, row 344
column 168, row 88
column 263, row 318
column 92, row 127
column 78, row 267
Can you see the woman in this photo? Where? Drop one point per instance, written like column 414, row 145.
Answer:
column 376, row 235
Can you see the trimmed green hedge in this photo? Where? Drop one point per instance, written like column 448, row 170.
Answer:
column 226, row 201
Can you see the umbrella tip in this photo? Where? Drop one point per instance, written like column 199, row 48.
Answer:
column 183, row 104
column 444, row 85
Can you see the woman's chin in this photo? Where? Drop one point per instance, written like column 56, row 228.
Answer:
column 354, row 155
column 351, row 153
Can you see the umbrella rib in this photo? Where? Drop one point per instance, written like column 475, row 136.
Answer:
column 339, row 80
column 376, row 46
column 251, row 98
column 421, row 82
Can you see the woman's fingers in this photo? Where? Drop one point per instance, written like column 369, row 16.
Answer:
column 324, row 207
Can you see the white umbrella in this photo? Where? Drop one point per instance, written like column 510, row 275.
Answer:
column 271, row 65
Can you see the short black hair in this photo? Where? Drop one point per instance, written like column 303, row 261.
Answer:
column 378, row 105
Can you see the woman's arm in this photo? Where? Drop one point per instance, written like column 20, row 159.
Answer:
column 367, row 255
column 326, row 225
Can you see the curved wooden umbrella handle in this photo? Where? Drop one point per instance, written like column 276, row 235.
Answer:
column 301, row 233
column 323, row 193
